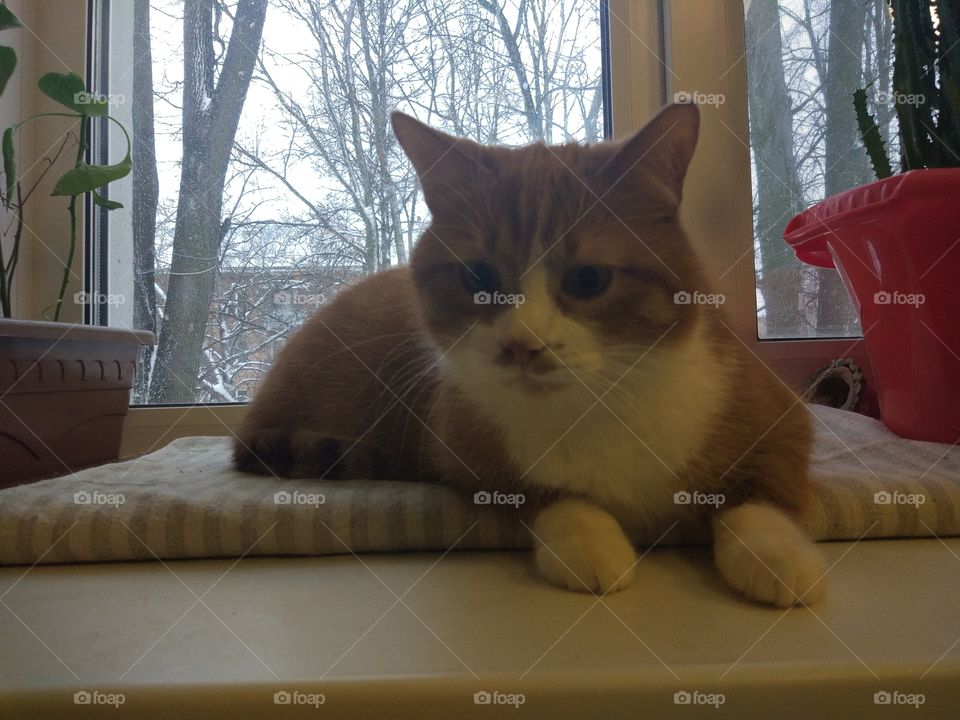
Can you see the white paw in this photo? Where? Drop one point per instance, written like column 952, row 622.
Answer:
column 762, row 553
column 581, row 547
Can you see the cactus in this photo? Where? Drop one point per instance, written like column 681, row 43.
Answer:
column 926, row 88
column 870, row 134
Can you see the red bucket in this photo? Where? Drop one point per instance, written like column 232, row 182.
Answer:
column 896, row 243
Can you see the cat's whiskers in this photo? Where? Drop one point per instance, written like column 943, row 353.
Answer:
column 386, row 387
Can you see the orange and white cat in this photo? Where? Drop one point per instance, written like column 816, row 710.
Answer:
column 538, row 343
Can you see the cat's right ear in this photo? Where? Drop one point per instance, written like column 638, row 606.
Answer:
column 448, row 167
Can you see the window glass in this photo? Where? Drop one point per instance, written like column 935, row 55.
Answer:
column 805, row 59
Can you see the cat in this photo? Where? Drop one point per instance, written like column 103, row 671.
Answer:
column 543, row 341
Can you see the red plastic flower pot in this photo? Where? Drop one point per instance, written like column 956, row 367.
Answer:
column 896, row 243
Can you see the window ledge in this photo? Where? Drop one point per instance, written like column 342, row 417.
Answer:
column 479, row 621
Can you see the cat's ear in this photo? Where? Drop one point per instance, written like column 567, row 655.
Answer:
column 652, row 163
column 448, row 166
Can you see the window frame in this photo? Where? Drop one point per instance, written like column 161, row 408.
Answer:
column 656, row 48
column 700, row 38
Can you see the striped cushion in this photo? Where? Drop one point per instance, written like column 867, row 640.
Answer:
column 186, row 501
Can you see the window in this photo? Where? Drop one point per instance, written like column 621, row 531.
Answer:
column 656, row 49
column 805, row 58
column 706, row 53
column 228, row 242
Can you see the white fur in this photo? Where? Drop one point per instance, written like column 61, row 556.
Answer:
column 762, row 553
column 624, row 451
column 581, row 547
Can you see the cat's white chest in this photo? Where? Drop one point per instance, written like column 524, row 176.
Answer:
column 626, row 465
column 625, row 445
column 627, row 452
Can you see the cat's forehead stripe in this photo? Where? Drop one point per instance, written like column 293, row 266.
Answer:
column 540, row 199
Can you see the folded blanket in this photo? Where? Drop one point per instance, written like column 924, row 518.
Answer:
column 186, row 501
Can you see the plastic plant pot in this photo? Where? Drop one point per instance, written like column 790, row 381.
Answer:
column 64, row 395
column 896, row 244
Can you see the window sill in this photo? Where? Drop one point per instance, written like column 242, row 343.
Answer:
column 150, row 428
column 486, row 621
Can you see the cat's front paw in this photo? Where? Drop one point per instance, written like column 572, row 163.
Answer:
column 581, row 547
column 762, row 553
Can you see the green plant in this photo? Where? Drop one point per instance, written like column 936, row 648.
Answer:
column 926, row 88
column 68, row 90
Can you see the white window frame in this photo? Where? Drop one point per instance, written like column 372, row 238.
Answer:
column 657, row 47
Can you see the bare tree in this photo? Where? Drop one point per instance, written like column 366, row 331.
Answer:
column 801, row 109
column 845, row 162
column 779, row 196
column 343, row 125
column 542, row 52
column 450, row 63
column 146, row 190
column 214, row 90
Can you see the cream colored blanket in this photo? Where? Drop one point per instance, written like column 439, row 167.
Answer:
column 186, row 501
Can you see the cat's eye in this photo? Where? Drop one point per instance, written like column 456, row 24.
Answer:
column 479, row 277
column 587, row 281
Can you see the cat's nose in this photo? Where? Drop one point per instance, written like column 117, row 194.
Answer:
column 522, row 352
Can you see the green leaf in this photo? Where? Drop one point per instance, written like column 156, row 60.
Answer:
column 8, row 19
column 9, row 166
column 85, row 178
column 69, row 90
column 8, row 63
column 106, row 204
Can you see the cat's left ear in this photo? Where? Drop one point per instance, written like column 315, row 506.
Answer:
column 652, row 164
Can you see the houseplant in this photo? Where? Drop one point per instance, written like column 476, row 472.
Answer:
column 896, row 241
column 64, row 388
